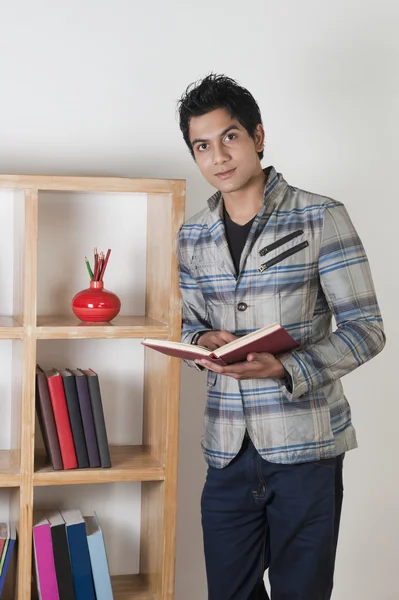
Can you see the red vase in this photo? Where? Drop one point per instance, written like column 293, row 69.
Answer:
column 96, row 304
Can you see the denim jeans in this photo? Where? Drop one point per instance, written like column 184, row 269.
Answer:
column 258, row 515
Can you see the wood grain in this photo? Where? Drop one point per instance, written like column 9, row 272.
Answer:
column 130, row 587
column 28, row 396
column 69, row 327
column 10, row 329
column 161, row 394
column 129, row 463
column 89, row 184
column 9, row 468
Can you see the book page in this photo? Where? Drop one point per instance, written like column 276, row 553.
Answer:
column 242, row 341
column 177, row 346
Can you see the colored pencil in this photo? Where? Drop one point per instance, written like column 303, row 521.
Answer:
column 105, row 264
column 91, row 275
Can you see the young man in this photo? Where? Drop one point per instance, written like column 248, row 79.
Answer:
column 276, row 429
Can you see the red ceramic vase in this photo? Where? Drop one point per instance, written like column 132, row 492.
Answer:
column 95, row 304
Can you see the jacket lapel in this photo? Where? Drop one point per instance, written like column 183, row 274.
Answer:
column 218, row 234
column 274, row 191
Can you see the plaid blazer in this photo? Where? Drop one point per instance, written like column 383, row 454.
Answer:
column 303, row 263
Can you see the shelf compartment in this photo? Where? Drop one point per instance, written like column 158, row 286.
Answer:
column 129, row 463
column 10, row 329
column 9, row 468
column 69, row 327
column 130, row 587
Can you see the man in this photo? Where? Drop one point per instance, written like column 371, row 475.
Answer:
column 276, row 428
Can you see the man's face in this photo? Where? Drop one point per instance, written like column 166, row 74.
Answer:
column 224, row 151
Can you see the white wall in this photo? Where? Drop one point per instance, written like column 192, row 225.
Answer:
column 90, row 88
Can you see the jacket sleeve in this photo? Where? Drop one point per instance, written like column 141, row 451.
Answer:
column 347, row 284
column 194, row 317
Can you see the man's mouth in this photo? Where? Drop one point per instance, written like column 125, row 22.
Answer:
column 225, row 174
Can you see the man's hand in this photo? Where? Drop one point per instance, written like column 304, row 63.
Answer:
column 257, row 366
column 215, row 339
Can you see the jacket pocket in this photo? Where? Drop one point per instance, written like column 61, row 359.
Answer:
column 211, row 378
column 283, row 256
column 280, row 242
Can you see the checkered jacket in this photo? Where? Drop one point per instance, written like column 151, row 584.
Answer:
column 303, row 263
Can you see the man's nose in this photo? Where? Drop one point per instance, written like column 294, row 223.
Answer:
column 220, row 154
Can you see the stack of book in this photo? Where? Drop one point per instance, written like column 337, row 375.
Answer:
column 70, row 557
column 8, row 536
column 71, row 418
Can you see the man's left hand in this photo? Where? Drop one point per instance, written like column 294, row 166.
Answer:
column 257, row 366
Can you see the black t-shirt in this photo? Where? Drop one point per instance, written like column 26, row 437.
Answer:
column 236, row 237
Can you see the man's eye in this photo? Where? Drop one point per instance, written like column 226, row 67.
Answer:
column 202, row 147
column 231, row 136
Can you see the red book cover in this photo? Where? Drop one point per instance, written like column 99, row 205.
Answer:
column 58, row 402
column 273, row 339
column 3, row 536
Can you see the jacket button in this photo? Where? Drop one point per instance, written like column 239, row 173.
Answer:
column 242, row 306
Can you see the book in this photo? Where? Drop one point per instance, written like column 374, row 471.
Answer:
column 4, row 553
column 46, row 579
column 87, row 417
column 46, row 420
column 98, row 416
column 75, row 418
column 58, row 402
column 3, row 537
column 62, row 562
column 12, row 536
column 79, row 555
column 98, row 559
column 272, row 338
column 6, row 540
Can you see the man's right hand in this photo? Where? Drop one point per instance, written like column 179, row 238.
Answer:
column 215, row 339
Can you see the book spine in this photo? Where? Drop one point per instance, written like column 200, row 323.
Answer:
column 88, row 421
column 49, row 431
column 45, row 562
column 80, row 562
column 99, row 566
column 62, row 562
column 2, row 542
column 6, row 565
column 99, row 421
column 76, row 421
column 4, row 554
column 59, row 405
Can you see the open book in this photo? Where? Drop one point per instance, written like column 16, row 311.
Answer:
column 273, row 338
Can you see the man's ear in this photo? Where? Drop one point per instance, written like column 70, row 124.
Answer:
column 259, row 138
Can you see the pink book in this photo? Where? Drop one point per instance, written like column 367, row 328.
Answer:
column 44, row 560
column 273, row 339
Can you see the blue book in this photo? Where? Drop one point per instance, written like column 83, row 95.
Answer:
column 79, row 555
column 98, row 558
column 11, row 543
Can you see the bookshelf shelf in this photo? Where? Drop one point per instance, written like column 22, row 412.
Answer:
column 130, row 587
column 91, row 184
column 9, row 468
column 10, row 329
column 64, row 327
column 129, row 463
column 51, row 216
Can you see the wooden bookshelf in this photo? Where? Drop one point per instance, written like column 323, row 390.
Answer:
column 9, row 468
column 129, row 463
column 154, row 463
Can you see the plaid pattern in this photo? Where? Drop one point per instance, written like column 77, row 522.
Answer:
column 314, row 267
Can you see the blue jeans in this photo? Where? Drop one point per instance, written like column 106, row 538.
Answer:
column 258, row 515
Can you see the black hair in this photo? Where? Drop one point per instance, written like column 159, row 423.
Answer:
column 218, row 91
